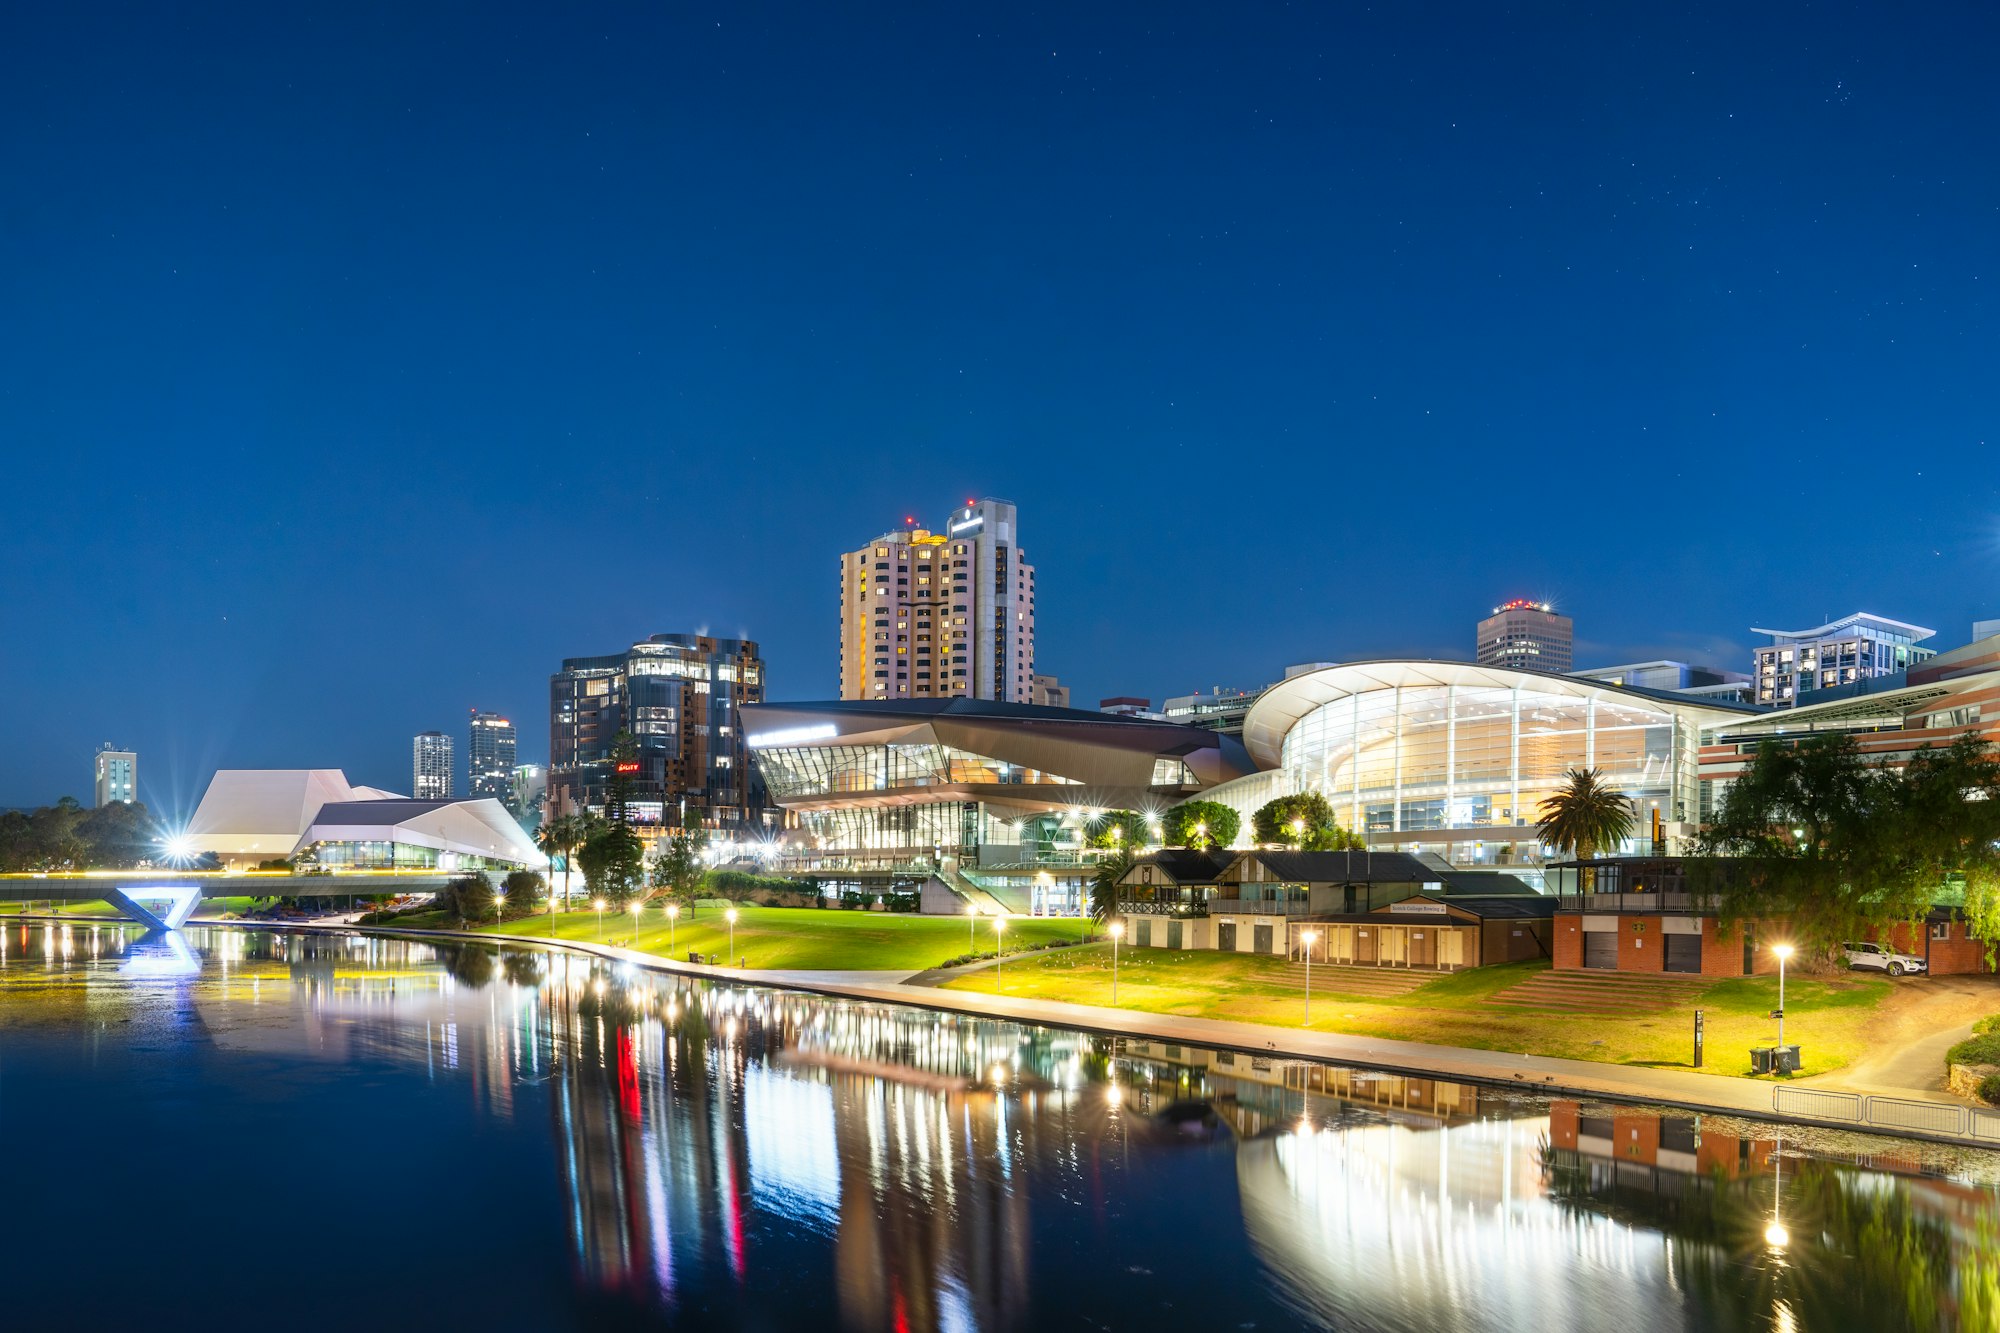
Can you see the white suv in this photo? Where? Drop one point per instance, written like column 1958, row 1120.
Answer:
column 1860, row 956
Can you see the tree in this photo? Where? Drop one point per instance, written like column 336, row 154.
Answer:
column 613, row 862
column 677, row 869
column 523, row 889
column 1844, row 848
column 467, row 897
column 1104, row 884
column 561, row 836
column 1585, row 815
column 1200, row 824
column 1304, row 821
column 1118, row 828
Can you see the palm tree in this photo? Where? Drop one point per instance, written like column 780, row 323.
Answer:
column 561, row 836
column 1584, row 815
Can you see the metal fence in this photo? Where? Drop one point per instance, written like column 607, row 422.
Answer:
column 1891, row 1113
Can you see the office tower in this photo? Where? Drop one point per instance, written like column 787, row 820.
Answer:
column 677, row 696
column 1529, row 635
column 950, row 615
column 430, row 772
column 531, row 784
column 1802, row 662
column 117, row 775
column 489, row 768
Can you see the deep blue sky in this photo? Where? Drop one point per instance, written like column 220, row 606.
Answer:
column 359, row 363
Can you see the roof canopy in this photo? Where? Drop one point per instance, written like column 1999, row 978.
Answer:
column 1273, row 716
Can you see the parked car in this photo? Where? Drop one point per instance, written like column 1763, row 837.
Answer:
column 1874, row 957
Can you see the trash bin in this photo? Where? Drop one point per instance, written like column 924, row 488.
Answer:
column 694, row 955
column 1788, row 1059
column 1774, row 1059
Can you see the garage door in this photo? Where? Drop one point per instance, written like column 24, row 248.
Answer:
column 1683, row 953
column 1600, row 949
column 1260, row 938
column 1173, row 934
column 1225, row 936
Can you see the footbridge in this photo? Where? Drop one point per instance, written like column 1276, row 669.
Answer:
column 164, row 899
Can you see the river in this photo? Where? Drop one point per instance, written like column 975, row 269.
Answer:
column 235, row 1129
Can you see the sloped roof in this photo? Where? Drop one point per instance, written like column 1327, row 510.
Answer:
column 262, row 809
column 480, row 827
column 1181, row 865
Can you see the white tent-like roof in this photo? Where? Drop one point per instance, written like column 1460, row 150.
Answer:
column 480, row 828
column 262, row 811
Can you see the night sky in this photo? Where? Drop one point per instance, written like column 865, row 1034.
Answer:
column 358, row 364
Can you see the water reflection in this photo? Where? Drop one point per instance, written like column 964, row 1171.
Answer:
column 720, row 1154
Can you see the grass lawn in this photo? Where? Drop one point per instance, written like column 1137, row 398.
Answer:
column 796, row 938
column 1833, row 1020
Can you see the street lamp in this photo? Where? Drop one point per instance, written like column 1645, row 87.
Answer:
column 499, row 901
column 1298, row 831
column 999, row 949
column 673, row 915
column 1308, row 938
column 1201, row 830
column 1117, row 934
column 1783, row 951
column 971, row 927
column 599, row 905
column 638, row 906
column 730, row 917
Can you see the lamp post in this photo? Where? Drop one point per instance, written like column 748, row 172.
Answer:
column 673, row 915
column 971, row 928
column 999, row 948
column 1117, row 934
column 1783, row 951
column 638, row 906
column 599, row 905
column 499, row 901
column 1201, row 830
column 730, row 917
column 1307, row 938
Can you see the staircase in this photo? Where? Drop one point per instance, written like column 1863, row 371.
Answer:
column 1577, row 992
column 1368, row 982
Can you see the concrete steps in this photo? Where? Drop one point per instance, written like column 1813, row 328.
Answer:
column 1372, row 982
column 1601, row 992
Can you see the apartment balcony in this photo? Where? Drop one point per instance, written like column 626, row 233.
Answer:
column 1256, row 907
column 1681, row 903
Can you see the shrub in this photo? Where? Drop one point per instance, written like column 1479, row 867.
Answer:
column 1989, row 1089
column 1983, row 1049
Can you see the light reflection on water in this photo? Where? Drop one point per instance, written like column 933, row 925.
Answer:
column 629, row 1149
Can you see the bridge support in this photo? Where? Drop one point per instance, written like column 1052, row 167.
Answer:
column 179, row 901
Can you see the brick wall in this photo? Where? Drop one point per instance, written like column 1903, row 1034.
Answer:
column 1567, row 948
column 1721, row 950
column 1639, row 946
column 1955, row 955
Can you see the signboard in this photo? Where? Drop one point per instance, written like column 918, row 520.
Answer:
column 629, row 766
column 1418, row 906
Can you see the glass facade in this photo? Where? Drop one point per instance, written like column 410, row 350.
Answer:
column 828, row 770
column 373, row 855
column 1428, row 758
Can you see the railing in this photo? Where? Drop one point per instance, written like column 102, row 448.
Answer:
column 1634, row 902
column 1137, row 907
column 1889, row 1113
column 1257, row 907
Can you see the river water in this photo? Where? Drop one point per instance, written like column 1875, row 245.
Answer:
column 234, row 1129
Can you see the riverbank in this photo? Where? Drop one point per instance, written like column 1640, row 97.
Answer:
column 1719, row 1094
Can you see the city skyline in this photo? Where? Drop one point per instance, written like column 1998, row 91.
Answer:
column 1127, row 274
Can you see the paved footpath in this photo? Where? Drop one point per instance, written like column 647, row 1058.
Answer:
column 1715, row 1093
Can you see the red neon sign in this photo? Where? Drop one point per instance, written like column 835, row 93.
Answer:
column 628, row 768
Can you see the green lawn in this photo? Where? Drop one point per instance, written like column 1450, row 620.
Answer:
column 797, row 938
column 209, row 907
column 1830, row 1019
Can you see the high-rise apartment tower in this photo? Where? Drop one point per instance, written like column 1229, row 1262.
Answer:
column 430, row 767
column 117, row 775
column 926, row 615
column 489, row 768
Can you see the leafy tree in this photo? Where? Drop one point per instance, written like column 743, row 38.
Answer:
column 119, row 835
column 1845, row 848
column 677, row 870
column 1585, row 815
column 1200, row 824
column 1304, row 821
column 524, row 888
column 613, row 862
column 467, row 897
column 1104, row 884
column 1119, row 828
column 618, row 788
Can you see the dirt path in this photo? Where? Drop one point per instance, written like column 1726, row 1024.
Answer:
column 1908, row 1039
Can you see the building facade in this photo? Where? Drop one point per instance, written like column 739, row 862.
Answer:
column 1456, row 759
column 951, row 615
column 1802, row 663
column 117, row 775
column 490, row 758
column 677, row 697
column 1048, row 692
column 431, row 766
column 962, row 787
column 527, row 794
column 1218, row 710
column 1529, row 635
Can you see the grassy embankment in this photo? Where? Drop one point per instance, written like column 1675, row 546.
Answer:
column 42, row 907
column 1830, row 1019
column 800, row 939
